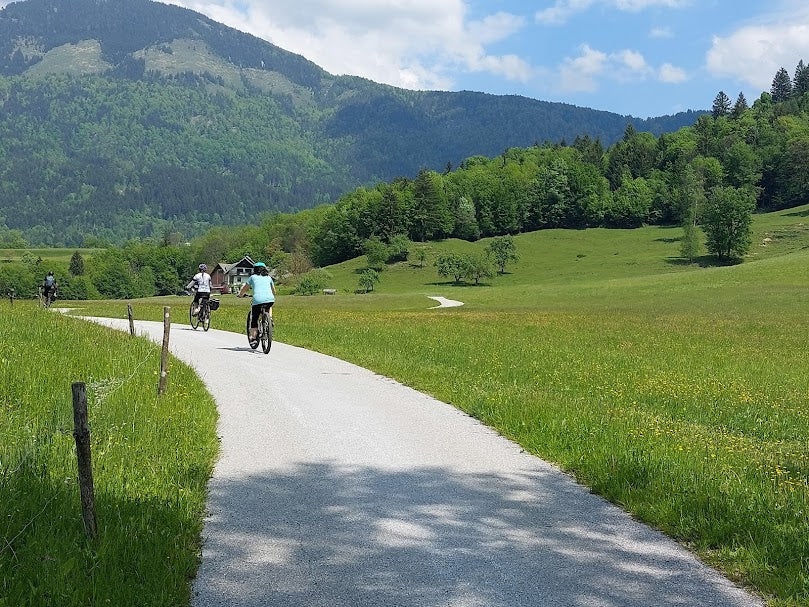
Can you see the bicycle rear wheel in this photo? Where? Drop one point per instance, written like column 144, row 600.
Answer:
column 266, row 332
column 193, row 317
column 253, row 343
column 205, row 312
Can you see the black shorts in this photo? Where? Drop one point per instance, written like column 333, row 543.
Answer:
column 198, row 297
column 255, row 311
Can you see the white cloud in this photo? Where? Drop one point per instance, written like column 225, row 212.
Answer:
column 585, row 72
column 671, row 74
column 661, row 32
column 411, row 44
column 560, row 12
column 639, row 5
column 580, row 74
column 753, row 53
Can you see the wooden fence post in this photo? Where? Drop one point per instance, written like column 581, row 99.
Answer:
column 81, row 432
column 131, row 320
column 164, row 356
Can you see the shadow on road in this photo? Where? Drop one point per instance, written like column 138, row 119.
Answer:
column 320, row 534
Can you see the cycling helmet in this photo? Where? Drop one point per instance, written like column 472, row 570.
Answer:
column 260, row 264
column 50, row 273
column 202, row 267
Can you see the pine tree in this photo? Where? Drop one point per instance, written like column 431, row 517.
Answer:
column 801, row 81
column 721, row 105
column 740, row 106
column 76, row 267
column 781, row 86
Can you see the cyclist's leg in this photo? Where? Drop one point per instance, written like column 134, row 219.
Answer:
column 256, row 312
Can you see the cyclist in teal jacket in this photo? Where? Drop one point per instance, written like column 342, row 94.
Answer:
column 263, row 294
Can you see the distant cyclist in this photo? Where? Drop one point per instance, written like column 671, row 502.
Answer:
column 201, row 283
column 263, row 295
column 49, row 286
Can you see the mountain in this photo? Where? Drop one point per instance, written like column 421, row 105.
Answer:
column 122, row 118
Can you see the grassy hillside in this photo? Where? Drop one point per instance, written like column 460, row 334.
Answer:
column 677, row 391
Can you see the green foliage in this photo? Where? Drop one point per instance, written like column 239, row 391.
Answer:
column 78, row 287
column 76, row 267
column 727, row 219
column 311, row 283
column 721, row 105
column 11, row 239
column 455, row 265
column 376, row 252
column 466, row 224
column 502, row 250
column 368, row 279
column 479, row 267
column 398, row 248
column 781, row 89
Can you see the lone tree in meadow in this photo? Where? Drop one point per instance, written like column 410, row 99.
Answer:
column 453, row 264
column 480, row 266
column 502, row 251
column 368, row 279
column 421, row 255
column 727, row 218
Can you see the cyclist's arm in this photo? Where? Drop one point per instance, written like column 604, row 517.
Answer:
column 244, row 289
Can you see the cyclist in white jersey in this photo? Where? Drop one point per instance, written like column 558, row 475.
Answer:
column 201, row 283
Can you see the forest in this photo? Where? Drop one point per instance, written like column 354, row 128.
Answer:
column 755, row 157
column 124, row 119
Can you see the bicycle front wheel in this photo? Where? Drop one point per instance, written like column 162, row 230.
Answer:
column 194, row 318
column 266, row 333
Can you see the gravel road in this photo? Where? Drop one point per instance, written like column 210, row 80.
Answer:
column 338, row 487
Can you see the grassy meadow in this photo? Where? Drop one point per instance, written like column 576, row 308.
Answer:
column 152, row 457
column 679, row 391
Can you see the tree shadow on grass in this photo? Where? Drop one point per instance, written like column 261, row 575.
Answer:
column 461, row 285
column 319, row 533
column 703, row 261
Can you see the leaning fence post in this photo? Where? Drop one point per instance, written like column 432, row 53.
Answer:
column 131, row 320
column 81, row 432
column 164, row 357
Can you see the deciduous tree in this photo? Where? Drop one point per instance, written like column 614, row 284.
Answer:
column 727, row 219
column 502, row 250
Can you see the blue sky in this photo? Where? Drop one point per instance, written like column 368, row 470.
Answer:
column 638, row 57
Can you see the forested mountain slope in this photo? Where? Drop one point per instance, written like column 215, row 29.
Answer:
column 122, row 118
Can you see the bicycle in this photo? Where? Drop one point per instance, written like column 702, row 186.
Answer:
column 46, row 301
column 265, row 327
column 202, row 316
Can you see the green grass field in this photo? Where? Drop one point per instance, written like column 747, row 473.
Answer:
column 152, row 457
column 59, row 255
column 679, row 391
